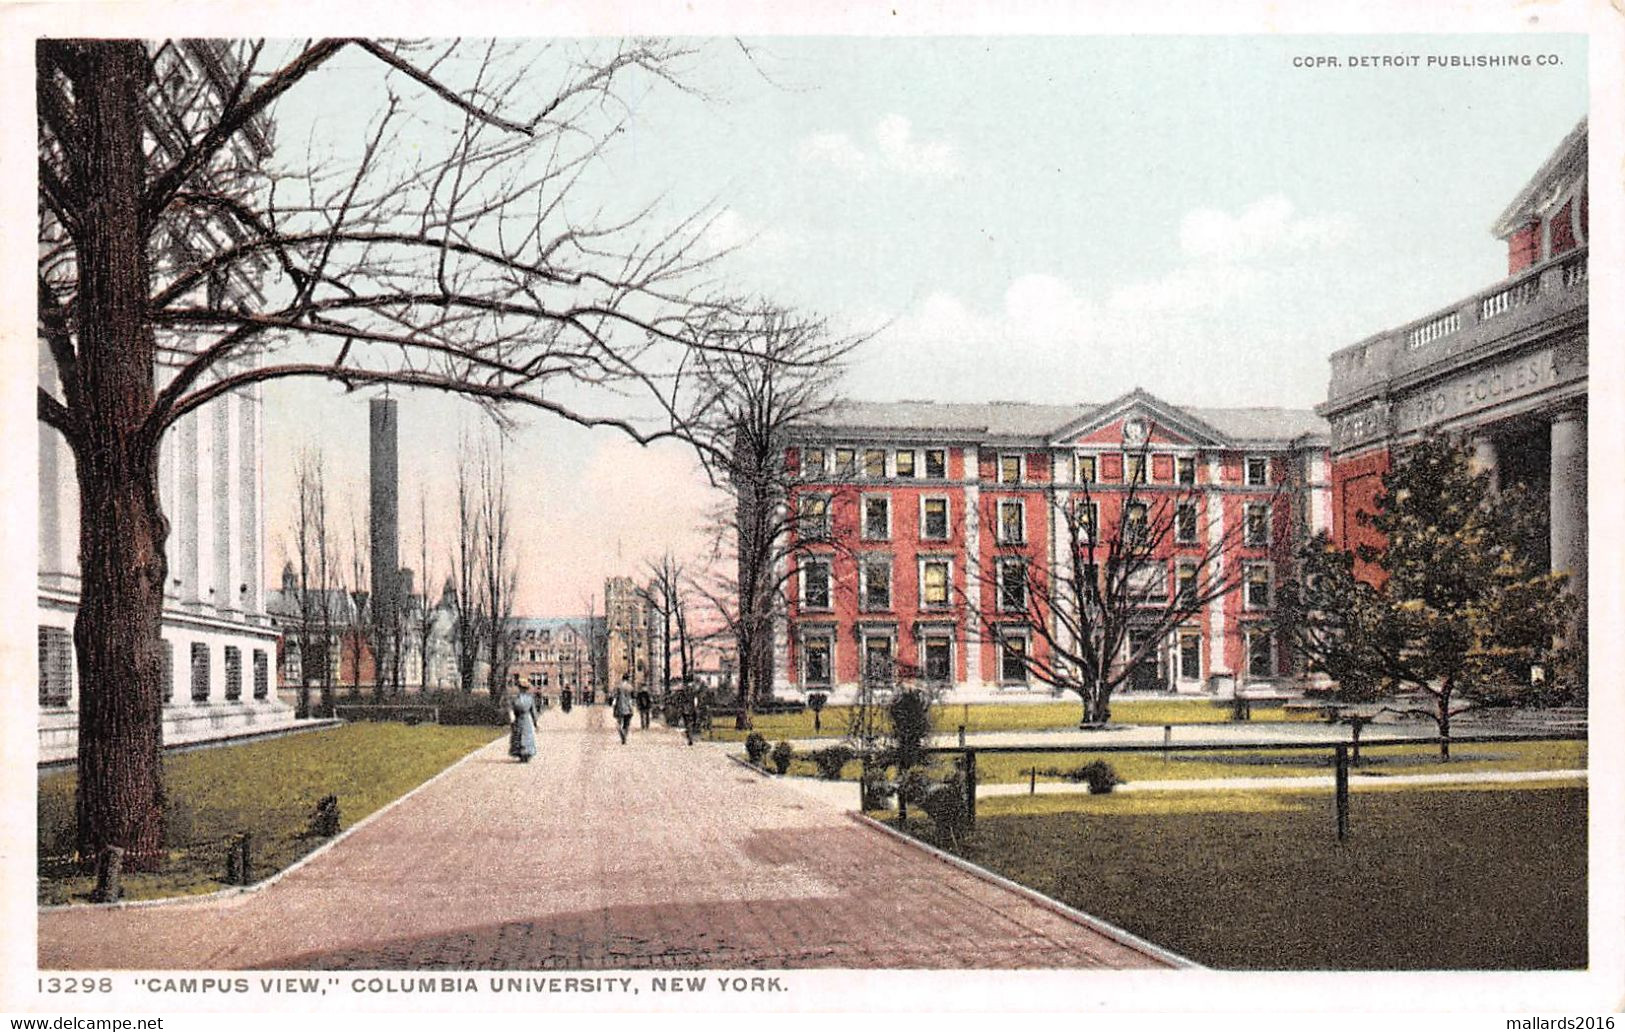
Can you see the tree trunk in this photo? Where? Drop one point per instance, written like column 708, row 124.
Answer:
column 1443, row 719
column 123, row 566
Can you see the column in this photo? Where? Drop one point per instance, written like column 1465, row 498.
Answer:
column 1568, row 502
column 1485, row 459
column 971, row 499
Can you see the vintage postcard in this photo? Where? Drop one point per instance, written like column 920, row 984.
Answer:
column 624, row 510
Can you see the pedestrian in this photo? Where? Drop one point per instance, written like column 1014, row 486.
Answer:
column 522, row 736
column 645, row 704
column 565, row 698
column 691, row 713
column 622, row 705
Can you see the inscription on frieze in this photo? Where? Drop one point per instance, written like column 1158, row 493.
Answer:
column 1483, row 388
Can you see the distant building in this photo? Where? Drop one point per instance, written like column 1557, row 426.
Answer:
column 219, row 645
column 551, row 655
column 919, row 507
column 632, row 640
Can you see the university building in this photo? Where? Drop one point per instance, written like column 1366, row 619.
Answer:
column 911, row 512
column 1504, row 367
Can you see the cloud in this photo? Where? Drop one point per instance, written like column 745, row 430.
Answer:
column 730, row 231
column 1268, row 227
column 895, row 150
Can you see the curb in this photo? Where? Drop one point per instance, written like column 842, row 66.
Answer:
column 1106, row 928
column 244, row 890
column 759, row 772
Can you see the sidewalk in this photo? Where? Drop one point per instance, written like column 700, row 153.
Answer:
column 599, row 856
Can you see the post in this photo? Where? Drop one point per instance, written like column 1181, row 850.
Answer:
column 1342, row 780
column 1032, row 780
column 1167, row 739
column 245, row 858
column 962, row 736
column 970, row 789
column 109, row 866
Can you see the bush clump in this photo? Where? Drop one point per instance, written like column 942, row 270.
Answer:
column 832, row 760
column 755, row 748
column 1097, row 774
column 781, row 757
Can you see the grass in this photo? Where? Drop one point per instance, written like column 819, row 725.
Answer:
column 267, row 788
column 1036, row 716
column 1428, row 880
column 1010, row 768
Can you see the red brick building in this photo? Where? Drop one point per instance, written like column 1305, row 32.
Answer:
column 1505, row 367
column 923, row 506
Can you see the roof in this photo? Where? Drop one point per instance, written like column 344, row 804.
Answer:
column 1012, row 419
column 524, row 624
column 1568, row 160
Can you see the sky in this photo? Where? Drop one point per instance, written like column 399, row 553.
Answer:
column 1043, row 219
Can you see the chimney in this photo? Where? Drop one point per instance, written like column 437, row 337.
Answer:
column 385, row 521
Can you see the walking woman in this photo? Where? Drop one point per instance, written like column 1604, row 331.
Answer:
column 522, row 737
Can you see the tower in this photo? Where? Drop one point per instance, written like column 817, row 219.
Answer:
column 385, row 523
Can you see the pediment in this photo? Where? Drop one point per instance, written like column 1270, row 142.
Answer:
column 1133, row 419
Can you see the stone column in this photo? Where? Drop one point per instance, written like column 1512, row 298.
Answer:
column 1485, row 459
column 1568, row 501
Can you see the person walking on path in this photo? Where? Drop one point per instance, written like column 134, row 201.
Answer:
column 566, row 697
column 522, row 736
column 645, row 704
column 622, row 703
column 690, row 709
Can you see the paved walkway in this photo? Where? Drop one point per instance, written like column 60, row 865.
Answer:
column 599, row 856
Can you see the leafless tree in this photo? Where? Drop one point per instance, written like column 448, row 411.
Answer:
column 667, row 594
column 1133, row 565
column 308, row 542
column 498, row 570
column 359, row 636
column 455, row 251
column 776, row 372
column 424, row 611
column 467, row 625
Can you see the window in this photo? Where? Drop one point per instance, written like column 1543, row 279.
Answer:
column 1009, row 469
column 1012, row 522
column 876, row 517
column 1258, row 471
column 874, row 463
column 936, row 464
column 1185, row 583
column 1258, row 586
column 1257, row 531
column 1012, row 657
column 536, row 680
column 1147, row 582
column 1134, row 464
column 234, row 673
column 934, row 582
column 1088, row 516
column 1260, row 652
column 200, row 672
column 1190, row 656
column 876, row 573
column 815, row 661
column 1185, row 470
column 1012, row 586
column 815, row 516
column 262, row 675
column 903, row 463
column 169, row 670
column 1134, row 523
column 1086, row 469
column 934, row 519
column 814, row 584
column 845, row 462
column 55, row 667
column 1185, row 523
column 812, row 462
column 937, row 657
column 877, row 658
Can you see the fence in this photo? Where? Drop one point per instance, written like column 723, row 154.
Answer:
column 409, row 714
column 1339, row 755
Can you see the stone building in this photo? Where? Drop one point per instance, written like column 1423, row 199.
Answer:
column 554, row 654
column 219, row 645
column 632, row 636
column 1504, row 367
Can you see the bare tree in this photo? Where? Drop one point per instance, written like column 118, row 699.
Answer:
column 424, row 612
column 359, row 637
column 498, row 571
column 307, row 478
column 453, row 252
column 1132, row 567
column 667, row 595
column 467, row 625
column 776, row 373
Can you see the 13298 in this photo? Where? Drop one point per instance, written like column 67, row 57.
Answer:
column 75, row 984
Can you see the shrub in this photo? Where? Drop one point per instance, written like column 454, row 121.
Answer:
column 755, row 748
column 830, row 761
column 944, row 802
column 781, row 757
column 1098, row 775
column 910, row 716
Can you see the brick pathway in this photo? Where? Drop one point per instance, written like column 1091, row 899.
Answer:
column 598, row 855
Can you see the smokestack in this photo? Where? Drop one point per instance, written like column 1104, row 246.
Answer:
column 386, row 560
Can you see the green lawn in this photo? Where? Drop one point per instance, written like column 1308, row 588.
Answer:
column 266, row 788
column 1006, row 768
column 1468, row 880
column 1035, row 716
